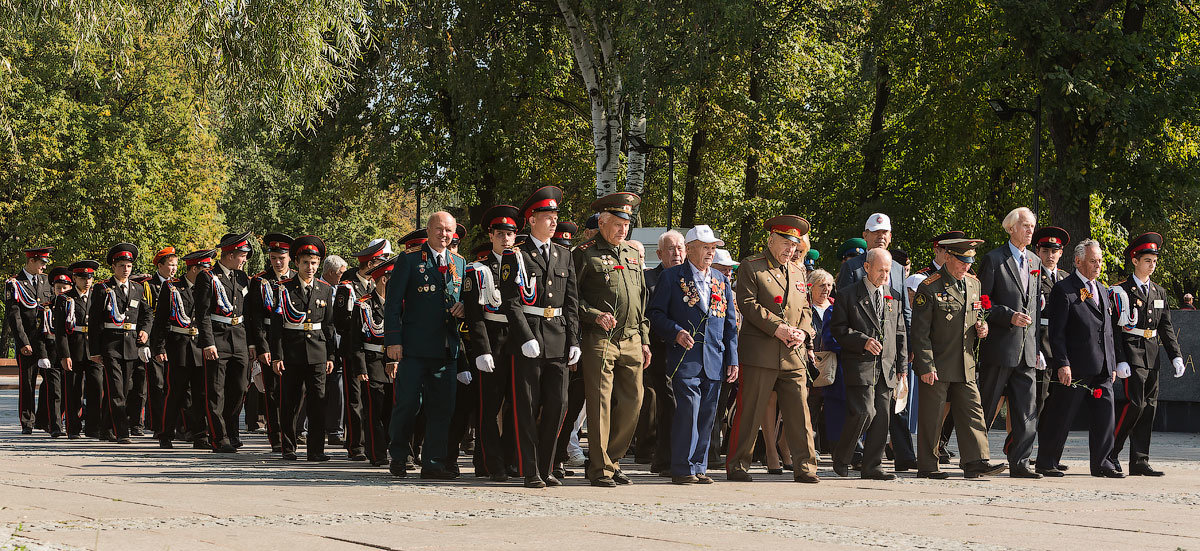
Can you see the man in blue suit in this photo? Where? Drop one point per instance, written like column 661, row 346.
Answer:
column 1085, row 356
column 692, row 306
column 421, row 332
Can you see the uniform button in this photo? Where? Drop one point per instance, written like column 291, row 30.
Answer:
column 550, row 282
column 549, row 295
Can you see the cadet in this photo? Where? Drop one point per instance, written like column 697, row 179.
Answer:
column 1144, row 321
column 260, row 309
column 303, row 348
column 81, row 376
column 612, row 307
column 945, row 307
column 355, row 285
column 51, row 393
column 166, row 263
column 120, row 319
column 367, row 362
column 25, row 296
column 1048, row 242
column 174, row 343
column 220, row 296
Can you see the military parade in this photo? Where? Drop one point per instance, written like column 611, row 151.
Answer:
column 408, row 359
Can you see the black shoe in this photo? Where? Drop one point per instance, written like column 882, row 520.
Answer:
column 226, row 448
column 841, row 469
column 276, row 449
column 124, row 440
column 136, row 431
column 604, row 482
column 620, row 478
column 704, row 479
column 682, row 480
column 1143, row 469
column 378, row 462
column 335, row 440
column 358, row 457
column 739, row 476
column 398, row 469
column 1022, row 471
column 107, row 436
column 558, row 473
column 26, row 430
column 1106, row 472
column 1050, row 473
column 775, row 471
column 665, row 473
column 201, row 445
column 788, row 467
column 73, row 436
column 236, row 443
column 1117, row 464
column 512, row 471
column 905, row 466
column 534, row 481
column 983, row 468
column 434, row 473
column 806, row 478
column 165, row 443
column 660, row 468
column 318, row 457
column 290, row 456
column 499, row 477
column 57, row 434
column 935, row 475
column 877, row 475
column 1064, row 468
column 552, row 482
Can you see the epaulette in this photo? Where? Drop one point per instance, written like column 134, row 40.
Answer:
column 1123, row 281
column 972, row 276
column 322, row 281
column 586, row 245
column 285, row 280
column 346, row 283
column 365, row 298
column 261, row 274
column 931, row 279
column 456, row 255
column 924, row 270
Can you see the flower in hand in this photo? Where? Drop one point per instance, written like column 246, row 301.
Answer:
column 985, row 302
column 778, row 299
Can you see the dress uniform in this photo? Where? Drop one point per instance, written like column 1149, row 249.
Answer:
column 220, row 296
column 51, row 392
column 260, row 311
column 81, row 376
column 26, row 296
column 137, row 391
column 155, row 371
column 772, row 295
column 175, row 336
column 423, row 288
column 943, row 341
column 119, row 320
column 537, row 286
column 1144, row 321
column 303, row 349
column 355, row 284
column 366, row 356
column 487, row 345
column 610, row 281
column 564, row 234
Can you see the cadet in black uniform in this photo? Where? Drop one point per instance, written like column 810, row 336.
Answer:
column 368, row 364
column 355, row 285
column 25, row 297
column 260, row 309
column 174, row 341
column 220, row 296
column 166, row 263
column 51, row 392
column 302, row 346
column 119, row 321
column 563, row 234
column 81, row 376
column 1048, row 243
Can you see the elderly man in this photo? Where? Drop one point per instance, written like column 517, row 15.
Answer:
column 1085, row 357
column 421, row 319
column 1009, row 275
column 775, row 348
column 658, row 401
column 869, row 327
column 693, row 307
column 945, row 329
column 612, row 310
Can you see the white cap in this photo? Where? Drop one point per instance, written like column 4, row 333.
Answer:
column 387, row 245
column 879, row 221
column 723, row 258
column 703, row 234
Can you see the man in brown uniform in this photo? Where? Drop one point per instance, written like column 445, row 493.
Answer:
column 774, row 349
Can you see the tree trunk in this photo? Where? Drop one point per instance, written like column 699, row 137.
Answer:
column 635, row 161
column 695, row 160
column 749, row 226
column 868, row 189
column 605, row 105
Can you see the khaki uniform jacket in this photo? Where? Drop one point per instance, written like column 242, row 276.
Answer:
column 760, row 280
column 943, row 335
column 610, row 280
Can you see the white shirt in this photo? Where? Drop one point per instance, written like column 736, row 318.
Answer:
column 439, row 259
column 1143, row 286
column 32, row 278
column 539, row 245
column 703, row 285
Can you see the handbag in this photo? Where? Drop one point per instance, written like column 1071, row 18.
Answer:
column 826, row 368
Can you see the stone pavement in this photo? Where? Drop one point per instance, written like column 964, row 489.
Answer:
column 86, row 494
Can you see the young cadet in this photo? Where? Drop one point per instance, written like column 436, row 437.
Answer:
column 355, row 285
column 368, row 364
column 220, row 296
column 174, row 341
column 81, row 376
column 119, row 321
column 51, row 393
column 260, row 309
column 25, row 295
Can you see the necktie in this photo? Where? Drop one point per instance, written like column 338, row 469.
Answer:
column 546, row 252
column 1145, row 291
column 878, row 294
column 1092, row 290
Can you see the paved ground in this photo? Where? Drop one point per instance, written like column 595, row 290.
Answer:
column 85, row 494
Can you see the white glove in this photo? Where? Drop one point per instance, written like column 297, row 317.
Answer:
column 257, row 378
column 531, row 349
column 44, row 363
column 485, row 363
column 573, row 355
column 1041, row 362
column 464, row 377
column 1123, row 370
column 1178, row 363
column 144, row 353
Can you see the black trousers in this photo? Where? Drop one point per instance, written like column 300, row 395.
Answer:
column 1018, row 385
column 51, row 398
column 155, row 394
column 1135, row 415
column 867, row 411
column 73, row 398
column 352, row 410
column 178, row 375
column 224, row 389
column 27, row 372
column 664, row 412
column 135, row 394
column 494, row 393
column 1055, row 423
column 93, row 397
column 303, row 384
column 253, row 405
column 575, row 401
column 377, row 407
column 720, row 431
column 272, row 388
column 902, row 441
column 466, row 413
column 539, row 404
column 117, row 373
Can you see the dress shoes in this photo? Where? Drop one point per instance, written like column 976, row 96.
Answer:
column 1022, row 471
column 934, row 475
column 905, row 466
column 982, row 467
column 877, row 475
column 1051, row 472
column 1143, row 469
column 532, row 481
column 621, row 478
column 704, row 479
column 435, row 473
column 399, row 469
column 682, row 480
column 841, row 469
column 317, row 457
column 552, row 482
column 1106, row 472
column 289, row 456
column 739, row 476
column 499, row 477
column 604, row 482
column 165, row 444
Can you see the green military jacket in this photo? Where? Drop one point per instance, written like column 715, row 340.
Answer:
column 417, row 312
column 611, row 281
column 943, row 336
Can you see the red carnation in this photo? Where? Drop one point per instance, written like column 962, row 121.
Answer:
column 887, row 297
column 1097, row 393
column 618, row 267
column 716, row 297
column 778, row 299
column 1035, row 272
column 443, row 269
column 985, row 302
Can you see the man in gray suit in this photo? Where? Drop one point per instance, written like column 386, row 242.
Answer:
column 868, row 324
column 1010, row 276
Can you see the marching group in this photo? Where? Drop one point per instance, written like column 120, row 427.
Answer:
column 542, row 329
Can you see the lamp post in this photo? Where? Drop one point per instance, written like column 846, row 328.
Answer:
column 1006, row 112
column 641, row 146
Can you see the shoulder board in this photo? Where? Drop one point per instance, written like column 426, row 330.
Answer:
column 932, row 278
column 318, row 281
column 972, row 276
column 346, row 283
column 924, row 270
column 1123, row 281
column 365, row 298
column 261, row 274
column 756, row 256
column 175, row 280
column 415, row 252
column 285, row 280
column 585, row 245
column 455, row 255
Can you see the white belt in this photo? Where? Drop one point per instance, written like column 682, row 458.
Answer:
column 267, row 322
column 1145, row 333
column 373, row 347
column 183, row 330
column 302, row 326
column 121, row 326
column 227, row 320
column 544, row 312
column 80, row 329
column 1045, row 321
column 497, row 317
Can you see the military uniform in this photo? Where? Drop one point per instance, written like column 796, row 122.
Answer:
column 610, row 281
column 155, row 371
column 366, row 355
column 175, row 335
column 26, row 296
column 943, row 340
column 51, row 392
column 1055, row 238
column 771, row 294
column 563, row 235
column 84, row 379
column 1144, row 321
column 220, row 296
column 118, row 316
column 354, row 285
column 260, row 312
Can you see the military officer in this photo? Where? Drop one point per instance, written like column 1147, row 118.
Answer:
column 220, row 296
column 174, row 343
column 541, row 302
column 421, row 332
column 774, row 348
column 118, row 335
column 946, row 326
column 260, row 311
column 615, row 333
column 354, row 285
column 1144, row 322
column 81, row 377
column 25, row 297
column 366, row 357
